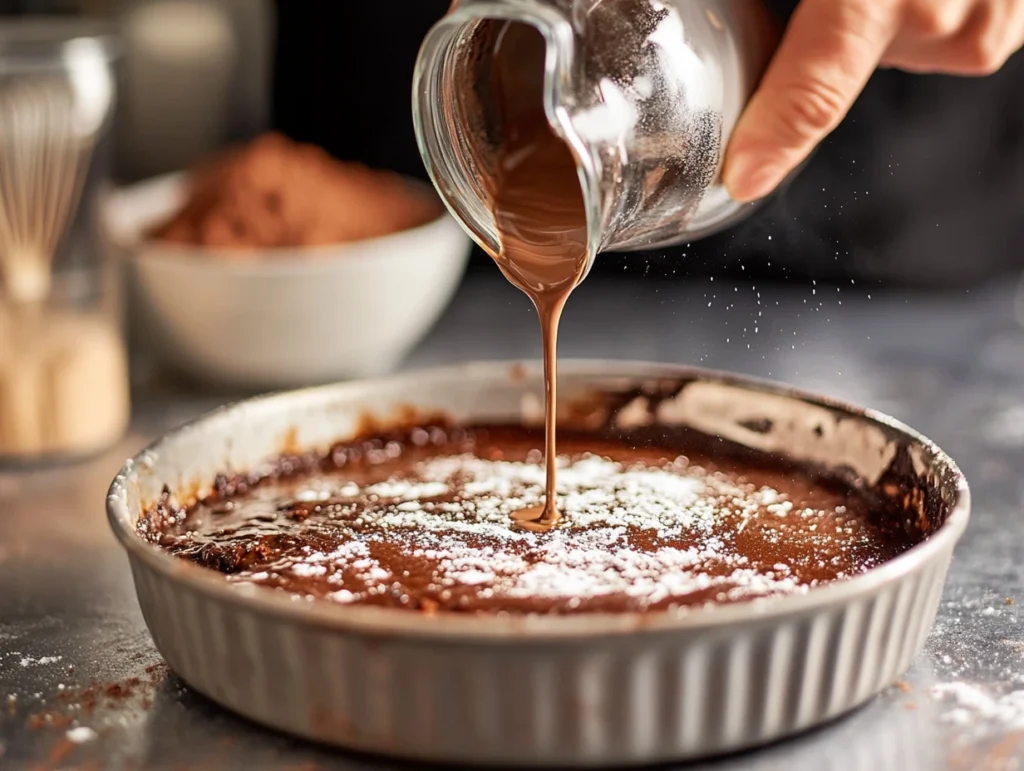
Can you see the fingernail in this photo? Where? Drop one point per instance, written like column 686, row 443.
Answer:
column 749, row 177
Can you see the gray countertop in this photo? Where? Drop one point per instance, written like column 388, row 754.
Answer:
column 75, row 653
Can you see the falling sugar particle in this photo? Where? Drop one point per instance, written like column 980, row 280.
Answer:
column 81, row 734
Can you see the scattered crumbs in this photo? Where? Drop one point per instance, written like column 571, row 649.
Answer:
column 1009, row 601
column 904, row 686
column 70, row 705
column 81, row 734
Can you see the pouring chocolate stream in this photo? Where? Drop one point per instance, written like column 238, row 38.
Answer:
column 538, row 207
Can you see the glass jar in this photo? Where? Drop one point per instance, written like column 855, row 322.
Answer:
column 64, row 386
column 645, row 92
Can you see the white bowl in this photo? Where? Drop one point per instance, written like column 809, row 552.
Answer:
column 283, row 317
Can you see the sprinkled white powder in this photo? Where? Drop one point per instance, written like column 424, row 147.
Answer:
column 442, row 532
column 306, row 570
column 406, row 491
column 451, row 516
column 979, row 710
column 310, row 496
column 81, row 734
column 29, row 661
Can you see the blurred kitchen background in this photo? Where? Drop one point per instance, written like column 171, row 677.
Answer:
column 919, row 194
column 194, row 73
column 921, row 185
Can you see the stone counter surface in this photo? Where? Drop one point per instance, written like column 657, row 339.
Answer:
column 81, row 685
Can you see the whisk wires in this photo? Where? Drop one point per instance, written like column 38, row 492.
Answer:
column 43, row 160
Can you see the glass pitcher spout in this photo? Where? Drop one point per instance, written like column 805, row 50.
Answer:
column 644, row 92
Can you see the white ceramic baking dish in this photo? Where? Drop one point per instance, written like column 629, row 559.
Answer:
column 588, row 690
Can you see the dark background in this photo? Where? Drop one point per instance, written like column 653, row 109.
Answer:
column 922, row 184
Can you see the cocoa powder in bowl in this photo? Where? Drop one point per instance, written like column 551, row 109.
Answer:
column 274, row 192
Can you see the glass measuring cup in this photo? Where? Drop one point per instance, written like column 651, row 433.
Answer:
column 645, row 93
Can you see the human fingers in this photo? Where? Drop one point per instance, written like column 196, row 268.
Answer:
column 827, row 54
column 957, row 37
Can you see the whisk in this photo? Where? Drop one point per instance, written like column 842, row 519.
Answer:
column 63, row 373
column 44, row 154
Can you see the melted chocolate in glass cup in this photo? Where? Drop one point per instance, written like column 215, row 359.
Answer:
column 538, row 207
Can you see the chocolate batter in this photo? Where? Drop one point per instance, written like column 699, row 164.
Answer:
column 421, row 519
column 538, row 208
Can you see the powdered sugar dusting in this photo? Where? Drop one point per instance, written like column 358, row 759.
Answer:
column 438, row 532
column 979, row 709
column 596, row 494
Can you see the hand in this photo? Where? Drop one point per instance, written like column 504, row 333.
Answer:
column 826, row 57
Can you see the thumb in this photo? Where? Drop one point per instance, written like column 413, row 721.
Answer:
column 826, row 56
